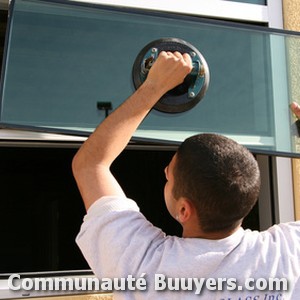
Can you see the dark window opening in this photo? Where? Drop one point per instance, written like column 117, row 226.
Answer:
column 41, row 208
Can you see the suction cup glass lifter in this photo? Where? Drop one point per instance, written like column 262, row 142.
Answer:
column 186, row 95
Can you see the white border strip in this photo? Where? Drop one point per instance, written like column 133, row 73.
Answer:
column 275, row 14
column 23, row 135
column 205, row 8
column 284, row 206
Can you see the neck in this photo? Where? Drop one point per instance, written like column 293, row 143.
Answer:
column 198, row 233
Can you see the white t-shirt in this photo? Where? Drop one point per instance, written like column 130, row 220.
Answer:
column 119, row 243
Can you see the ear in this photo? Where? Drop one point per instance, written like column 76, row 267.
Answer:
column 186, row 210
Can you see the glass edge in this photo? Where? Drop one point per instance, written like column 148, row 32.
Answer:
column 134, row 140
column 5, row 51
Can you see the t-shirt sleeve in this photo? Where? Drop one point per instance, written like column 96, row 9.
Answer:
column 117, row 240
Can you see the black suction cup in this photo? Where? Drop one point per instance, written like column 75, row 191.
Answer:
column 186, row 95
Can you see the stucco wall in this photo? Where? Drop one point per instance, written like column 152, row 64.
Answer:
column 291, row 19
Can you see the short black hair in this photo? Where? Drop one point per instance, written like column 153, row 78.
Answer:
column 220, row 177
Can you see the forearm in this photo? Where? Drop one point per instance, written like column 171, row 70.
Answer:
column 114, row 133
column 93, row 160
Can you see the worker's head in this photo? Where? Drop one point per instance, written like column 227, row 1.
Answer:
column 218, row 176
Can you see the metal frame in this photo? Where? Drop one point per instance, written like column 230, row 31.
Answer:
column 276, row 171
column 282, row 167
column 283, row 190
column 275, row 14
column 206, row 8
column 266, row 210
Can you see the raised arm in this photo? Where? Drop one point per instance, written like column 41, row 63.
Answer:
column 91, row 164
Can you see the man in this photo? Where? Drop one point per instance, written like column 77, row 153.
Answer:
column 212, row 184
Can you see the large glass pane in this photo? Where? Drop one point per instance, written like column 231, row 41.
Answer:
column 62, row 58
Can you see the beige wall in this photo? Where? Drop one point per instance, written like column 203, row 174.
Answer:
column 291, row 19
column 291, row 14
